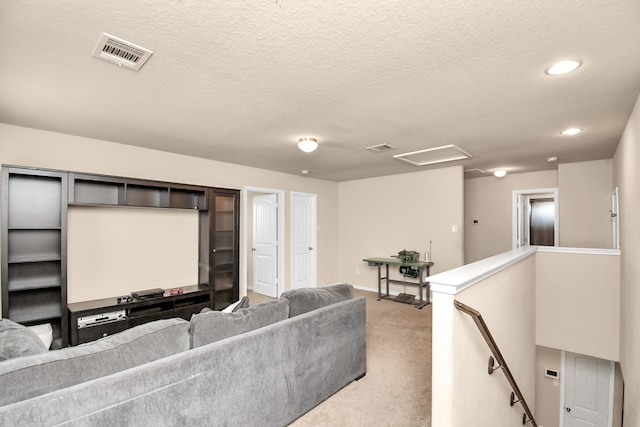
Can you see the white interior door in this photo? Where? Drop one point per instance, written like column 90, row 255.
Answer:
column 587, row 392
column 522, row 219
column 304, row 228
column 265, row 244
column 615, row 219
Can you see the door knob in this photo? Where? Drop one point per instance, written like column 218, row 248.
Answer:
column 253, row 249
column 310, row 248
column 568, row 409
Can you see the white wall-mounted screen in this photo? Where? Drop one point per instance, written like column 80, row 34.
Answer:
column 114, row 251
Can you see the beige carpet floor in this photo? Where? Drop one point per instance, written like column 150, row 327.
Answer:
column 397, row 388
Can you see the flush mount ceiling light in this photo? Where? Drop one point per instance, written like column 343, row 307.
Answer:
column 563, row 67
column 307, row 144
column 500, row 173
column 571, row 131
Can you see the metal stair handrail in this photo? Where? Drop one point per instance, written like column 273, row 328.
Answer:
column 502, row 364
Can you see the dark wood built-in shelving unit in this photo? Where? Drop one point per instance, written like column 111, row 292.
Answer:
column 223, row 226
column 34, row 246
column 100, row 190
column 34, row 241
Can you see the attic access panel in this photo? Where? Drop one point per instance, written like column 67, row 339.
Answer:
column 430, row 156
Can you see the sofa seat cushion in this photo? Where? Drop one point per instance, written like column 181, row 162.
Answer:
column 307, row 299
column 30, row 376
column 17, row 341
column 213, row 326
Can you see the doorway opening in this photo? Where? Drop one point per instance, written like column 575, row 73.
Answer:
column 535, row 218
column 262, row 243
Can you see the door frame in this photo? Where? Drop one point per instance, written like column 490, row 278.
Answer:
column 536, row 193
column 612, row 377
column 245, row 246
column 314, row 213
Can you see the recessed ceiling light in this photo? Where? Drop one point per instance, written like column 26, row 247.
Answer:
column 500, row 173
column 307, row 144
column 552, row 159
column 563, row 67
column 571, row 131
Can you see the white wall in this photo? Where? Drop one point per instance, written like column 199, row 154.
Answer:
column 356, row 219
column 585, row 200
column 381, row 216
column 489, row 201
column 156, row 248
column 627, row 178
column 462, row 392
column 578, row 303
column 30, row 147
column 556, row 300
column 548, row 389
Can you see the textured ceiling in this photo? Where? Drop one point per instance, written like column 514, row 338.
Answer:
column 241, row 81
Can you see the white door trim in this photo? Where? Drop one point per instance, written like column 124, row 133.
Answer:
column 244, row 250
column 612, row 377
column 533, row 194
column 314, row 221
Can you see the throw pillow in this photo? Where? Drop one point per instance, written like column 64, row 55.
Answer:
column 44, row 332
column 307, row 299
column 242, row 303
column 17, row 340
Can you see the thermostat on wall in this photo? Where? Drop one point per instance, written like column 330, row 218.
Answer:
column 551, row 373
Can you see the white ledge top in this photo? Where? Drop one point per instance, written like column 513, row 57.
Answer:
column 456, row 280
column 583, row 251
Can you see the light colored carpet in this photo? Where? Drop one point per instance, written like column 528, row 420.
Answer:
column 397, row 388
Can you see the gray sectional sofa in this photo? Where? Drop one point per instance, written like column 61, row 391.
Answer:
column 264, row 365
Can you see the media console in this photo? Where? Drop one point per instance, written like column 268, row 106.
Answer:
column 91, row 320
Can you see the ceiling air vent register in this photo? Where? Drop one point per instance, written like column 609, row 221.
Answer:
column 121, row 52
column 380, row 148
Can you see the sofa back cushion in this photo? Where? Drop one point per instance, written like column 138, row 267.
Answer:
column 212, row 326
column 308, row 299
column 30, row 376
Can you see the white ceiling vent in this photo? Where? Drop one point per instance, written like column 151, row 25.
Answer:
column 380, row 148
column 121, row 52
column 474, row 173
column 430, row 156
